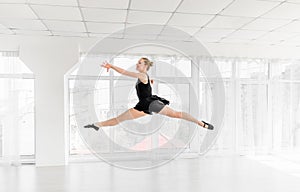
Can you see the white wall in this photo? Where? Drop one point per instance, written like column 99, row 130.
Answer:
column 51, row 57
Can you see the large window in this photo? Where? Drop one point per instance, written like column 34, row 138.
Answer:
column 262, row 102
column 108, row 102
column 251, row 92
column 284, row 100
column 17, row 133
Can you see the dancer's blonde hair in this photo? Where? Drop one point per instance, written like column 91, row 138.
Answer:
column 147, row 62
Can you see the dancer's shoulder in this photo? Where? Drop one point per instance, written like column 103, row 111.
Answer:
column 143, row 77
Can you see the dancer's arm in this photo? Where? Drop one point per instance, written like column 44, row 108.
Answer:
column 141, row 76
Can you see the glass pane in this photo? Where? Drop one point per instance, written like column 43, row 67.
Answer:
column 124, row 97
column 127, row 63
column 178, row 101
column 91, row 66
column 17, row 108
column 285, row 69
column 12, row 65
column 184, row 65
column 1, row 138
column 226, row 139
column 252, row 130
column 124, row 94
column 171, row 67
column 252, row 68
column 101, row 102
column 285, row 102
column 101, row 97
column 17, row 101
column 225, row 67
column 26, row 111
column 205, row 99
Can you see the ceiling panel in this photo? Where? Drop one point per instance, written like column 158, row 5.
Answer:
column 293, row 40
column 273, row 0
column 2, row 26
column 293, row 1
column 115, row 4
column 69, row 34
column 54, row 2
column 266, row 24
column 235, row 40
column 285, row 11
column 23, row 24
column 13, row 1
column 151, row 29
column 275, row 36
column 104, row 15
column 173, row 37
column 249, row 8
column 259, row 42
column 213, row 34
column 291, row 27
column 246, row 34
column 203, row 6
column 227, row 22
column 17, row 11
column 104, row 27
column 177, row 33
column 34, row 33
column 140, row 36
column 289, row 43
column 4, row 30
column 189, row 30
column 104, row 35
column 75, row 26
column 155, row 5
column 185, row 19
column 57, row 12
column 147, row 17
column 98, row 35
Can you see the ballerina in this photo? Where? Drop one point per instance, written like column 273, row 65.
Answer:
column 148, row 103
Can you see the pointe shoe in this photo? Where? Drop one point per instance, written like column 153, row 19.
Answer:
column 211, row 127
column 92, row 126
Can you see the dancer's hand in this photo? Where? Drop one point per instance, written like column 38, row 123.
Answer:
column 106, row 65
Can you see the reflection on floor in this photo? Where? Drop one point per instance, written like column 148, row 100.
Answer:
column 287, row 162
column 210, row 173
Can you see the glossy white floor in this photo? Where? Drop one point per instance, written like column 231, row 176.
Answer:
column 212, row 173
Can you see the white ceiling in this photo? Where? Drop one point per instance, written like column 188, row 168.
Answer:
column 269, row 22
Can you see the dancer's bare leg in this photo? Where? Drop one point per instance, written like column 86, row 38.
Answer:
column 127, row 115
column 182, row 115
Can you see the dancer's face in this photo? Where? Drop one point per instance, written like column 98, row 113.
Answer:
column 140, row 66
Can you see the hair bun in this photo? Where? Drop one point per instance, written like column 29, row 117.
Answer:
column 147, row 62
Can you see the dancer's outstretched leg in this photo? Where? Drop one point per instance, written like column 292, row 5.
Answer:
column 183, row 115
column 127, row 115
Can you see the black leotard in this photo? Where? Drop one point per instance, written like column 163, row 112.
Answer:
column 143, row 90
column 148, row 103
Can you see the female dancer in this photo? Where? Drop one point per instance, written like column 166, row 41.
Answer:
column 148, row 103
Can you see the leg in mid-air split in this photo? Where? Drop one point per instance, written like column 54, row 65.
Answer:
column 127, row 115
column 183, row 115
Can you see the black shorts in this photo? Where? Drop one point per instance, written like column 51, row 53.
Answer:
column 151, row 104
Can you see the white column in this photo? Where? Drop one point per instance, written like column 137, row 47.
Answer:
column 50, row 59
